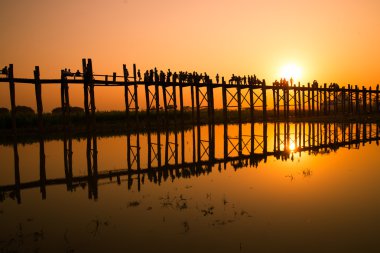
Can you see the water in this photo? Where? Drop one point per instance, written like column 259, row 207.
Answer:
column 305, row 188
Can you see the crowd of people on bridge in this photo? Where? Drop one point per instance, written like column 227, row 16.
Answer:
column 250, row 80
column 155, row 76
column 159, row 76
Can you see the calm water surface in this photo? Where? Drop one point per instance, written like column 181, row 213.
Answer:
column 304, row 188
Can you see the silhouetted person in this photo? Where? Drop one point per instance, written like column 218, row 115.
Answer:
column 151, row 74
column 5, row 70
column 217, row 78
column 156, row 76
column 139, row 75
column 175, row 77
column 126, row 74
column 168, row 76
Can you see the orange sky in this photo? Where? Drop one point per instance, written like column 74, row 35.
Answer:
column 331, row 40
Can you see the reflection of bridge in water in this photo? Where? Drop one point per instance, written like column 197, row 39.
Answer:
column 167, row 156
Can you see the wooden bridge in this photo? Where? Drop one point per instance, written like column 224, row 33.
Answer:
column 288, row 99
column 166, row 157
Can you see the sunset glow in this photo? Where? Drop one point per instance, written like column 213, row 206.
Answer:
column 291, row 71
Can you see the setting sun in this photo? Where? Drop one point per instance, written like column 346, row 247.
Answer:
column 290, row 71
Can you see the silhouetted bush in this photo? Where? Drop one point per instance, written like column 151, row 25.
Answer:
column 20, row 109
column 4, row 110
column 73, row 109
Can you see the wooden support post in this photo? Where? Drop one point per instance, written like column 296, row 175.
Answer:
column 238, row 90
column 197, row 102
column 42, row 169
column 174, row 102
column 181, row 102
column 318, row 103
column 313, row 101
column 92, row 90
column 278, row 101
column 17, row 170
column 157, row 92
column 129, row 164
column 377, row 99
column 85, row 91
column 303, row 101
column 225, row 140
column 357, row 102
column 138, row 152
column 240, row 139
column 183, row 159
column 251, row 107
column 224, row 98
column 325, row 99
column 126, row 92
column 192, row 102
column 158, row 149
column 252, row 138
column 352, row 99
column 194, row 146
column 164, row 98
column 12, row 92
column 286, row 101
column 210, row 96
column 364, row 96
column 199, row 156
column 65, row 106
column 370, row 100
column 135, row 92
column 265, row 137
column 343, row 100
column 167, row 145
column 295, row 93
column 308, row 100
column 274, row 100
column 147, row 101
column 335, row 92
column 38, row 97
column 264, row 90
column 299, row 100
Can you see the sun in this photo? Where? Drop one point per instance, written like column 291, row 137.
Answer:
column 291, row 71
